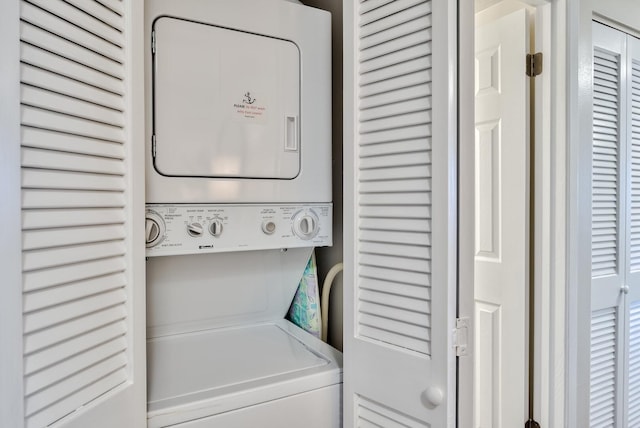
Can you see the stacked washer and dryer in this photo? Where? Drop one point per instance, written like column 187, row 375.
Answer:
column 238, row 192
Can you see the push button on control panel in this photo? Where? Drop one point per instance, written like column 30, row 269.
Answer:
column 268, row 227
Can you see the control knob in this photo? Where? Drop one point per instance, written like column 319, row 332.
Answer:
column 195, row 229
column 154, row 228
column 305, row 224
column 216, row 227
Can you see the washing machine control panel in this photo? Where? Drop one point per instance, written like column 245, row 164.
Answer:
column 202, row 228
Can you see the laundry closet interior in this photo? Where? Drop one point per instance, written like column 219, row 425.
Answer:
column 238, row 194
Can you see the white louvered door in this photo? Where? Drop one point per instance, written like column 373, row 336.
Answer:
column 615, row 286
column 83, row 340
column 607, row 228
column 400, row 157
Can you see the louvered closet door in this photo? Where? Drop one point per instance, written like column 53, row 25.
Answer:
column 608, row 228
column 400, row 228
column 79, row 261
column 632, row 240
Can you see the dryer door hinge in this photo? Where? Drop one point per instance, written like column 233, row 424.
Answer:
column 461, row 337
column 153, row 42
column 534, row 64
column 153, row 146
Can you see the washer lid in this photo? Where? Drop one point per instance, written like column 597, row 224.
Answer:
column 196, row 375
column 226, row 103
column 224, row 361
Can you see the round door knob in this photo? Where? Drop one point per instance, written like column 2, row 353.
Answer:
column 625, row 289
column 154, row 229
column 216, row 227
column 195, row 229
column 305, row 225
column 434, row 396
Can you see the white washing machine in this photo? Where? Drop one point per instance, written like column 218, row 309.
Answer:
column 238, row 192
column 221, row 354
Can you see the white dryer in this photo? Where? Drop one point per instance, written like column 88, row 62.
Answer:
column 238, row 192
column 240, row 102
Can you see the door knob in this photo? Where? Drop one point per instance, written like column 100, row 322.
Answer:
column 625, row 289
column 434, row 396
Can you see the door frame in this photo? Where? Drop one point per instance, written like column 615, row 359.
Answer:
column 11, row 367
column 549, row 215
column 579, row 129
column 466, row 205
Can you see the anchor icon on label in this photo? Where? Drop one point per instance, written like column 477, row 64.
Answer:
column 248, row 99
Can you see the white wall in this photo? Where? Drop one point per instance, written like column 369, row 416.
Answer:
column 624, row 14
column 327, row 257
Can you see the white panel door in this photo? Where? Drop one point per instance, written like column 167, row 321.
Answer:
column 400, row 215
column 82, row 239
column 502, row 221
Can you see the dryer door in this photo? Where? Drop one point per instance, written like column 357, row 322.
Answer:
column 226, row 102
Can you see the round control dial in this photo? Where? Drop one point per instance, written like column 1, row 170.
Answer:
column 195, row 229
column 305, row 224
column 154, row 229
column 215, row 228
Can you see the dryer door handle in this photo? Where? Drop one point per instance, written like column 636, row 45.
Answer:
column 291, row 133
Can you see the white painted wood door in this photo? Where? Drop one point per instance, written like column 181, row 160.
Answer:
column 400, row 213
column 82, row 213
column 607, row 227
column 615, row 252
column 502, row 222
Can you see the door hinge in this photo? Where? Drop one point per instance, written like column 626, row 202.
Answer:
column 534, row 64
column 461, row 337
column 531, row 424
column 153, row 42
column 153, row 146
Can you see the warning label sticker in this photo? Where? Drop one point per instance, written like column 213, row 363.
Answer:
column 250, row 108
